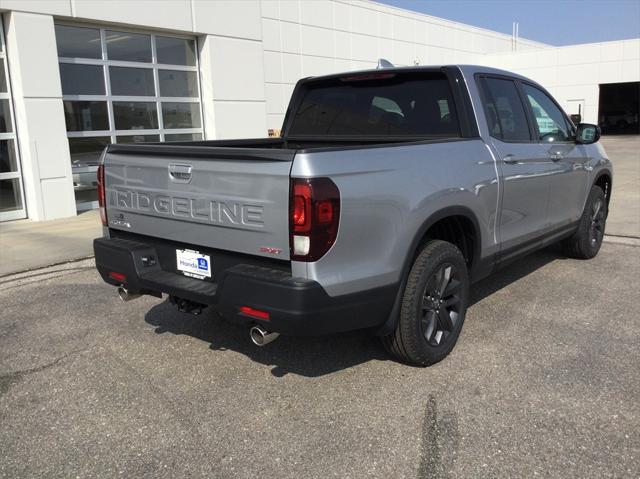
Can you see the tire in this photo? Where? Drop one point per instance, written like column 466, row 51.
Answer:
column 586, row 241
column 431, row 318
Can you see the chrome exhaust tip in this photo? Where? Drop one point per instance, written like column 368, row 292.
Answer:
column 260, row 336
column 125, row 295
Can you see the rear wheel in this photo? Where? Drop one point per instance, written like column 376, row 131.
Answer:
column 586, row 241
column 433, row 306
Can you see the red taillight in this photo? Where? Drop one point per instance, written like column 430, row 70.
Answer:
column 117, row 276
column 315, row 214
column 101, row 195
column 299, row 211
column 301, row 207
column 254, row 313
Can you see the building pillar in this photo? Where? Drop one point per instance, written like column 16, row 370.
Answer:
column 233, row 92
column 37, row 95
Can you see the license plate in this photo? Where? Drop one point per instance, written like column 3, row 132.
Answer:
column 194, row 264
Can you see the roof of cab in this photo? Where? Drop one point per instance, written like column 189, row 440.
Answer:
column 467, row 71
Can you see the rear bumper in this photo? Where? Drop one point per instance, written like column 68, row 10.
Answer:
column 296, row 306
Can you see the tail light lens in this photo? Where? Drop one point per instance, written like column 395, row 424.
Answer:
column 314, row 218
column 101, row 195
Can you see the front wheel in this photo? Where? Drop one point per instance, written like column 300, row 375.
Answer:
column 586, row 241
column 433, row 306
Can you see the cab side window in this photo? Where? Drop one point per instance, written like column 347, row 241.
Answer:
column 504, row 110
column 552, row 124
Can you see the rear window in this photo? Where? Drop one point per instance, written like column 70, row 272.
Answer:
column 380, row 104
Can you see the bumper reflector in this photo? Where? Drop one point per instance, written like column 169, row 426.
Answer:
column 254, row 313
column 117, row 276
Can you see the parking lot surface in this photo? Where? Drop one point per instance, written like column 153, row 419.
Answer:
column 544, row 381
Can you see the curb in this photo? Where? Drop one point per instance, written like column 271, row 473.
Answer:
column 50, row 265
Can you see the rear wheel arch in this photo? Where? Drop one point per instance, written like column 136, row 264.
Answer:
column 455, row 224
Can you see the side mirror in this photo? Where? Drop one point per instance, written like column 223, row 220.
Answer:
column 586, row 133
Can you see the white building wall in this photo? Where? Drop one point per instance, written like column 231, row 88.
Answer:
column 314, row 37
column 572, row 73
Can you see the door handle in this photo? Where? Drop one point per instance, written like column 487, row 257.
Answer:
column 556, row 156
column 510, row 160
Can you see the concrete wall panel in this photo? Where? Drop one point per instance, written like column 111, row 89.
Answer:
column 270, row 8
column 316, row 41
column 273, row 67
column 35, row 57
column 271, row 39
column 403, row 28
column 275, row 98
column 318, row 13
column 315, row 66
column 59, row 202
column 341, row 16
column 51, row 7
column 227, row 17
column 364, row 20
column 290, row 10
column 171, row 14
column 291, row 68
column 241, row 119
column 47, row 131
column 238, row 67
column 290, row 35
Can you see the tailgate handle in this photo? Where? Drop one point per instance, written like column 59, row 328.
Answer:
column 180, row 173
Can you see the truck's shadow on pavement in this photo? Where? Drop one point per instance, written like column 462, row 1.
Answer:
column 316, row 356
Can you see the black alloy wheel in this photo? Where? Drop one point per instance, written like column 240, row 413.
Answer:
column 596, row 232
column 440, row 309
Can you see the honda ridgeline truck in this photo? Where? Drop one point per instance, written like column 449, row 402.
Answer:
column 388, row 194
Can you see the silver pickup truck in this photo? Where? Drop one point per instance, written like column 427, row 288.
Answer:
column 388, row 194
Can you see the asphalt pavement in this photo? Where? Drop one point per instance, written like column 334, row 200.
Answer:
column 543, row 382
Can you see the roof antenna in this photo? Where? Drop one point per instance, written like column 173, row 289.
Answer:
column 382, row 63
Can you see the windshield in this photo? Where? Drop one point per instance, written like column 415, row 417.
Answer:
column 404, row 104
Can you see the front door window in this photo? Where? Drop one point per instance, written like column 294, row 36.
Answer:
column 551, row 122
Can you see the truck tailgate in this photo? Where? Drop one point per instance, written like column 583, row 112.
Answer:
column 226, row 198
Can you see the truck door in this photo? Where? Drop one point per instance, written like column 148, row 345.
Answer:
column 568, row 176
column 524, row 170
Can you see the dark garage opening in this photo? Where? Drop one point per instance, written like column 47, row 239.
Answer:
column 618, row 108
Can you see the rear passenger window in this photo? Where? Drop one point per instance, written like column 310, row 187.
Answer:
column 504, row 110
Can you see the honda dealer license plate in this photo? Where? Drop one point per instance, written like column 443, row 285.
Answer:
column 193, row 264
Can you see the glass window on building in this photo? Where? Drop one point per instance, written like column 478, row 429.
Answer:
column 12, row 206
column 121, row 86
